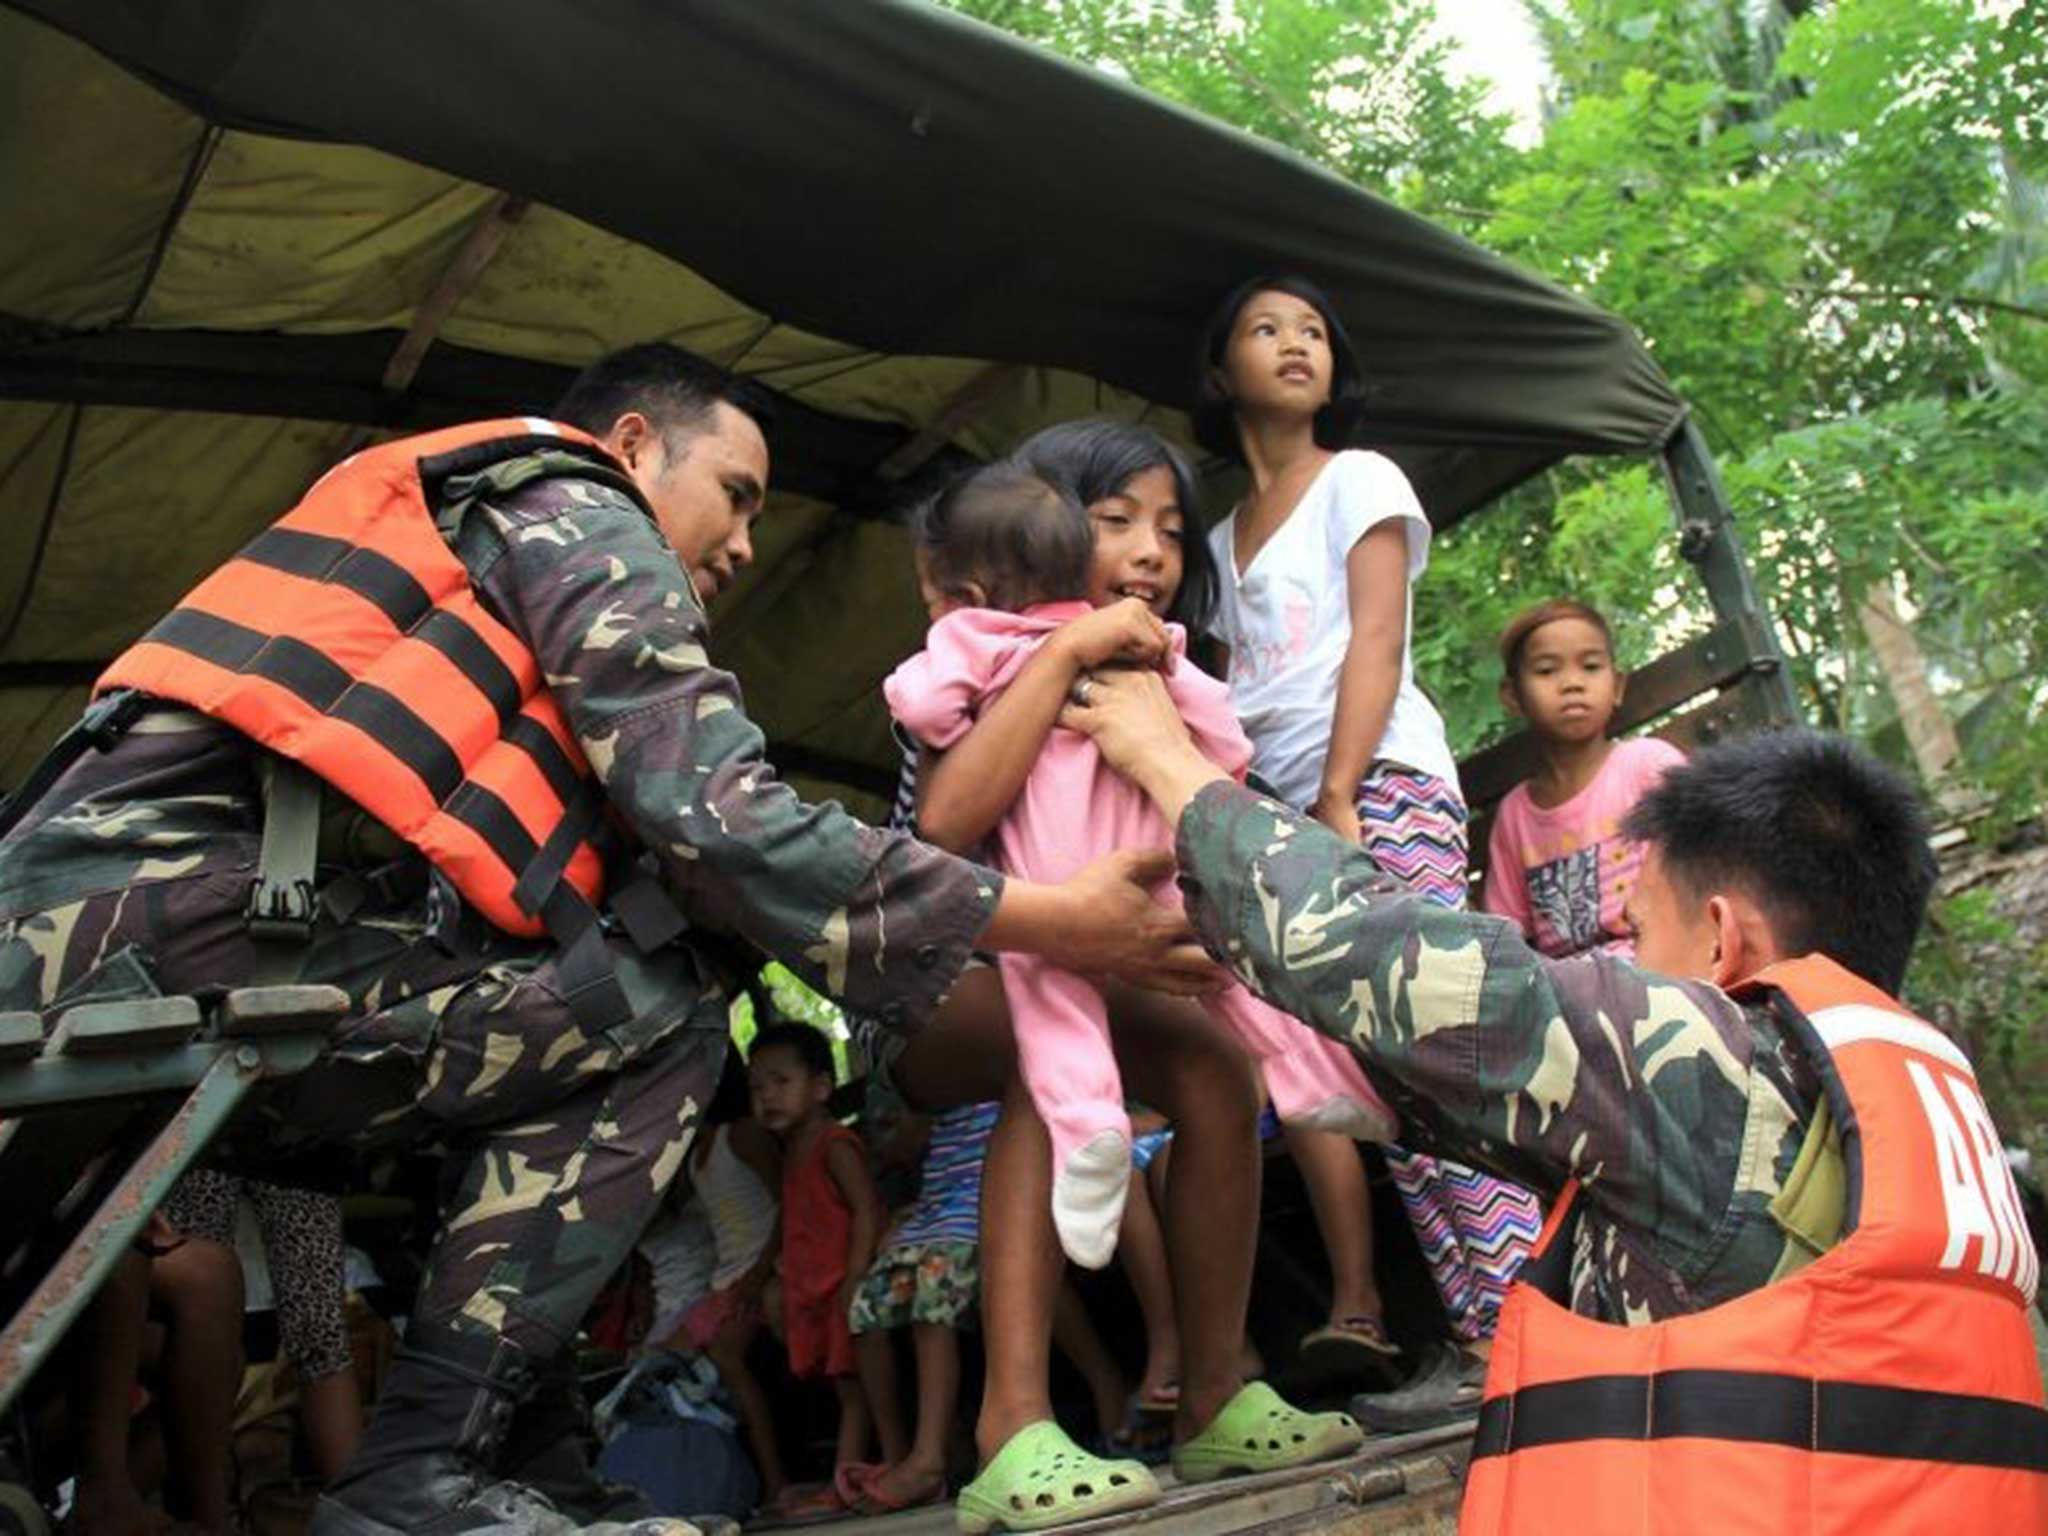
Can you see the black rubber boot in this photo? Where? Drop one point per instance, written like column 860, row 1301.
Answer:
column 425, row 1466
column 549, row 1450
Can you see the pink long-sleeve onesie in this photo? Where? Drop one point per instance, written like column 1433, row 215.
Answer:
column 1073, row 809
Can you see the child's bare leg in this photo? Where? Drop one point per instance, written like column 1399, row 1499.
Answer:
column 1335, row 1178
column 875, row 1351
column 331, row 1409
column 1179, row 1061
column 108, row 1344
column 921, row 1474
column 1074, row 1331
column 854, row 1422
column 938, row 1393
column 1142, row 1247
column 1020, row 1269
column 199, row 1284
column 966, row 1054
column 728, row 1351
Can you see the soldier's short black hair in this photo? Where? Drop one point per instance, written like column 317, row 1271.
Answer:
column 674, row 389
column 1829, row 842
column 1096, row 459
column 1215, row 413
column 1011, row 532
column 809, row 1043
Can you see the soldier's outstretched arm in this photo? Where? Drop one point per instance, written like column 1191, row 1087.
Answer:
column 1493, row 1055
column 879, row 920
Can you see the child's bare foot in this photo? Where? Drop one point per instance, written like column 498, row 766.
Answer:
column 1158, row 1389
column 903, row 1486
column 803, row 1501
column 117, row 1511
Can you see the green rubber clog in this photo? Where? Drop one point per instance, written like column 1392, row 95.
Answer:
column 1260, row 1431
column 1041, row 1479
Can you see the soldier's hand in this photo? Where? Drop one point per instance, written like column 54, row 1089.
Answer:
column 1139, row 732
column 1119, row 929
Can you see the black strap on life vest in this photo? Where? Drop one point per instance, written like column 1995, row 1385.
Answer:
column 1549, row 1269
column 1848, row 1418
column 105, row 721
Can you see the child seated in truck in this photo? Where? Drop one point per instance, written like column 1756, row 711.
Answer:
column 927, row 1279
column 1557, row 863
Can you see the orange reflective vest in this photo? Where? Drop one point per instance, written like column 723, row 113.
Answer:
column 1889, row 1386
column 348, row 638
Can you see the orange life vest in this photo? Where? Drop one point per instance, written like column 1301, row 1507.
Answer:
column 1889, row 1386
column 348, row 638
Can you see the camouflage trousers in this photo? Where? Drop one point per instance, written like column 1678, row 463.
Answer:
column 564, row 1142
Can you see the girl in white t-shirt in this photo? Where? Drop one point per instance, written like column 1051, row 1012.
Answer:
column 1317, row 565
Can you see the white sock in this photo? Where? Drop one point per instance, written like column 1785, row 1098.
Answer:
column 1088, row 1198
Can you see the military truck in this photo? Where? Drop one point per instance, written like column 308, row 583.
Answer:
column 243, row 239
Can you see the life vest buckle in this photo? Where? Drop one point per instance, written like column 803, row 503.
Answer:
column 282, row 897
column 111, row 716
column 280, row 912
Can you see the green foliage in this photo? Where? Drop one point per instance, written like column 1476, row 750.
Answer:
column 1360, row 86
column 1592, row 45
column 791, row 998
column 1947, row 500
column 1605, row 540
column 1978, row 976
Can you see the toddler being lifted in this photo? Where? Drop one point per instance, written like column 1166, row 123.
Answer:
column 1003, row 560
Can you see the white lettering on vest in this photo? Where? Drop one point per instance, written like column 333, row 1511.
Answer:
column 2023, row 1268
column 1977, row 1190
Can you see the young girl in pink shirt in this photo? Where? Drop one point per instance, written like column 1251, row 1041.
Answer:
column 1557, row 864
column 1004, row 560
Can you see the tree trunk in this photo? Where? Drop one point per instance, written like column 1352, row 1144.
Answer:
column 1929, row 732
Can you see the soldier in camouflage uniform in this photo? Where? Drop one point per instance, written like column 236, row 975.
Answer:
column 138, row 863
column 1679, row 1110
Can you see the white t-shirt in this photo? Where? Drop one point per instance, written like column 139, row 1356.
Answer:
column 1287, row 621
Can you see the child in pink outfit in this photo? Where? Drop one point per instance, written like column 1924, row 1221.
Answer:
column 1562, row 873
column 1557, row 864
column 1073, row 810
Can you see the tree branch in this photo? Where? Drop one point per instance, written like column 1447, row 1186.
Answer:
column 1946, row 300
column 1274, row 99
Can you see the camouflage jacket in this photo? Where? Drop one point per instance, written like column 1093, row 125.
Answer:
column 1680, row 1111
column 583, row 575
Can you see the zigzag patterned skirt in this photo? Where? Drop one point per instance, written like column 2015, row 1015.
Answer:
column 1474, row 1229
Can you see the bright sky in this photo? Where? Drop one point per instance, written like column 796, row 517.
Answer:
column 1495, row 42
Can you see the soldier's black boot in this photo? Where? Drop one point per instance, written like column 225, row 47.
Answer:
column 550, row 1445
column 425, row 1466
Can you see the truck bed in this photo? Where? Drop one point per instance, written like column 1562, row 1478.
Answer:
column 1398, row 1485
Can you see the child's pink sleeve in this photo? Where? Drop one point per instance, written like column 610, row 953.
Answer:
column 1204, row 703
column 1506, row 893
column 937, row 693
column 1650, row 758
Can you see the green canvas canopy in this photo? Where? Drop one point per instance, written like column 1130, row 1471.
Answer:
column 239, row 237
